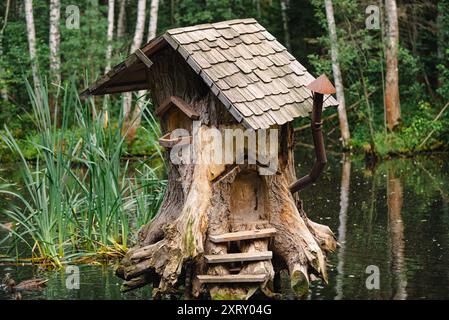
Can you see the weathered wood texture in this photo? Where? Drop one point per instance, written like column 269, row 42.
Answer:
column 179, row 103
column 239, row 257
column 232, row 278
column 196, row 209
column 243, row 235
column 254, row 76
column 204, row 200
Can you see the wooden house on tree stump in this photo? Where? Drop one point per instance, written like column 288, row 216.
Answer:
column 226, row 229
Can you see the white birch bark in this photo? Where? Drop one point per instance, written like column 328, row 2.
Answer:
column 152, row 24
column 152, row 29
column 342, row 117
column 31, row 34
column 136, row 44
column 110, row 34
column 54, row 41
column 121, row 19
column 4, row 89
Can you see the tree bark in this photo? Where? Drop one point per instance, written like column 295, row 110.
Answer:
column 342, row 117
column 31, row 34
column 110, row 34
column 121, row 19
column 393, row 111
column 4, row 88
column 152, row 25
column 54, row 41
column 206, row 199
column 136, row 44
column 284, row 7
column 137, row 113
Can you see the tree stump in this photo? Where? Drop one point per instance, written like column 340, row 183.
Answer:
column 206, row 199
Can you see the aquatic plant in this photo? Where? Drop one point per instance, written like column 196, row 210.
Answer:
column 79, row 198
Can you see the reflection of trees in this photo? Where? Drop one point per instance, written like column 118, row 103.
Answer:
column 435, row 183
column 396, row 230
column 343, row 216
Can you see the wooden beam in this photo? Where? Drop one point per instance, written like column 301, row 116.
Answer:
column 180, row 104
column 154, row 46
column 167, row 142
column 143, row 57
column 100, row 86
column 232, row 278
column 123, row 88
column 243, row 235
column 236, row 257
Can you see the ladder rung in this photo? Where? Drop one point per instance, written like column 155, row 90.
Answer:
column 234, row 257
column 243, row 235
column 232, row 278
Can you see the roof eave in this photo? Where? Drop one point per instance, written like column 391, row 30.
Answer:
column 100, row 86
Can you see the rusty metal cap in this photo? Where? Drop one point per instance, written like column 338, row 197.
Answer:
column 321, row 85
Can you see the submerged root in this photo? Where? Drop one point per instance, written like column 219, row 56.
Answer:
column 300, row 242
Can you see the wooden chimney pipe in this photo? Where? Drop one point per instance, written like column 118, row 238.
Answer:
column 319, row 87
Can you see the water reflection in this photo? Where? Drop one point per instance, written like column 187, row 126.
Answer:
column 342, row 219
column 396, row 229
column 395, row 216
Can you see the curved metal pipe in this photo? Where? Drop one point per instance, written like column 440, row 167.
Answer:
column 318, row 141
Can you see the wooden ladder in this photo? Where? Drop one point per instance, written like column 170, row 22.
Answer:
column 238, row 257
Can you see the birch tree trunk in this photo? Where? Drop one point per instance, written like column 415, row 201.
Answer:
column 137, row 113
column 393, row 111
column 4, row 89
column 54, row 41
column 121, row 20
column 31, row 34
column 284, row 6
column 342, row 117
column 152, row 25
column 136, row 44
column 110, row 34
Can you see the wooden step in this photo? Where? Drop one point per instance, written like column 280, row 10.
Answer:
column 234, row 257
column 243, row 235
column 232, row 278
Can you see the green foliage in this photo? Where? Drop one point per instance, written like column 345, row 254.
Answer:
column 78, row 196
column 362, row 61
column 420, row 133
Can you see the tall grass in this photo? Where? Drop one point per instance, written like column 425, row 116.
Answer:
column 79, row 198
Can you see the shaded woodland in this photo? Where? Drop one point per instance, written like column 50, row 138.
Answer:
column 391, row 73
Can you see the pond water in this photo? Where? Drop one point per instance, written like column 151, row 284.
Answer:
column 393, row 218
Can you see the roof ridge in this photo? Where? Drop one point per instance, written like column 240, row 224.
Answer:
column 210, row 25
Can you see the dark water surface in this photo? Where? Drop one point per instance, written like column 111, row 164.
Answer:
column 394, row 218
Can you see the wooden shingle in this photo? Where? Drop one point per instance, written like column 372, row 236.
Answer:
column 258, row 81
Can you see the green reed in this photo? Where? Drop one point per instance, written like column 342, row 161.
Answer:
column 79, row 198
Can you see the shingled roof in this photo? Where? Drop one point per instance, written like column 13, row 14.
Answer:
column 251, row 73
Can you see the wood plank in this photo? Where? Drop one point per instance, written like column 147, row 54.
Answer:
column 121, row 88
column 180, row 104
column 236, row 257
column 167, row 142
column 243, row 235
column 142, row 56
column 232, row 278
